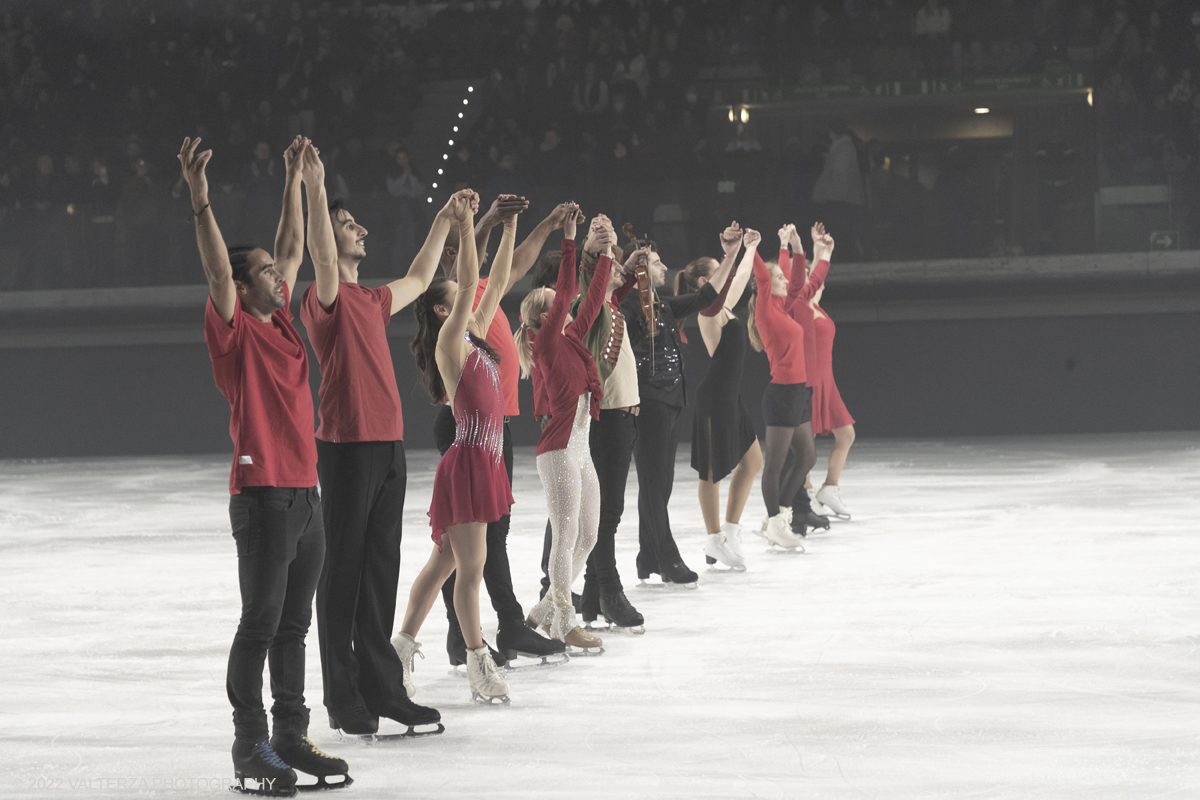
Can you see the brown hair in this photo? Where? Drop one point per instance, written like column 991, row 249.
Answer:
column 687, row 280
column 424, row 343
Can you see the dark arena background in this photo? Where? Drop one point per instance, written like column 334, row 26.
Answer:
column 1014, row 191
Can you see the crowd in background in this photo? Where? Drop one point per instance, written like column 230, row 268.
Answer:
column 581, row 99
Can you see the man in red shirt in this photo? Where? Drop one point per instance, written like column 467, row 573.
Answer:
column 260, row 366
column 362, row 466
column 512, row 636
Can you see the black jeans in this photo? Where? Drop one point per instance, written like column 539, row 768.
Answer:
column 362, row 492
column 654, row 454
column 280, row 546
column 497, row 576
column 612, row 442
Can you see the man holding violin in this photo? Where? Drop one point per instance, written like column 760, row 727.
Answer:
column 654, row 332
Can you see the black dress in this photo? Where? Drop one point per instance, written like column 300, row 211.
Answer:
column 721, row 428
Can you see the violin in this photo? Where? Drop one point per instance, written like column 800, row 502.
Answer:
column 644, row 286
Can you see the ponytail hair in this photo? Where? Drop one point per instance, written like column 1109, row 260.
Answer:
column 535, row 304
column 687, row 281
column 424, row 342
column 752, row 325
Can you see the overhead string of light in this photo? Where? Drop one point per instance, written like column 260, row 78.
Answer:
column 450, row 142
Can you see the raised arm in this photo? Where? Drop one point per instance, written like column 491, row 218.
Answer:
column 289, row 236
column 321, row 246
column 503, row 205
column 785, row 257
column 424, row 266
column 590, row 307
column 744, row 269
column 822, row 252
column 214, row 256
column 764, row 309
column 498, row 283
column 450, row 347
column 527, row 254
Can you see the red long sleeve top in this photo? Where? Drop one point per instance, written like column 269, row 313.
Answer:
column 567, row 368
column 800, row 293
column 782, row 336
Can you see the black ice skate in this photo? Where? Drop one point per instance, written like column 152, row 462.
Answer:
column 407, row 713
column 809, row 520
column 258, row 770
column 355, row 721
column 516, row 640
column 304, row 756
column 622, row 617
column 644, row 570
column 678, row 576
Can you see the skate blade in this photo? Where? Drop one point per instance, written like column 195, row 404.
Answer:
column 323, row 784
column 436, row 728
column 538, row 662
column 585, row 652
column 257, row 788
column 721, row 568
column 678, row 587
column 490, row 701
column 781, row 550
column 645, row 584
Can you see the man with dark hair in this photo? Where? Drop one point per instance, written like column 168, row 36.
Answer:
column 260, row 365
column 662, row 390
column 362, row 466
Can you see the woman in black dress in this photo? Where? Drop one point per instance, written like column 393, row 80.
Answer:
column 723, row 439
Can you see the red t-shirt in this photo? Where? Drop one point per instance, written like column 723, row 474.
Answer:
column 359, row 398
column 262, row 369
column 500, row 337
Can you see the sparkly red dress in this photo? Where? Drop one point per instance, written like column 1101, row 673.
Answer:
column 470, row 484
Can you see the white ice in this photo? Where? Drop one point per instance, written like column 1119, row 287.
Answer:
column 1003, row 618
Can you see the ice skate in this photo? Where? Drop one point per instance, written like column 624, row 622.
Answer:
column 810, row 520
column 487, row 687
column 678, row 576
column 304, row 756
column 519, row 640
column 406, row 647
column 831, row 498
column 353, row 722
column 733, row 538
column 717, row 547
column 582, row 643
column 644, row 571
column 786, row 511
column 258, row 770
column 779, row 535
column 620, row 613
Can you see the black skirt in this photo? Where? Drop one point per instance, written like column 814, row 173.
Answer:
column 787, row 405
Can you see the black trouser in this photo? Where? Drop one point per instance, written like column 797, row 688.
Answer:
column 497, row 576
column 362, row 493
column 612, row 442
column 280, row 545
column 654, row 454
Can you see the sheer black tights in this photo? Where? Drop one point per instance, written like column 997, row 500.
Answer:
column 775, row 483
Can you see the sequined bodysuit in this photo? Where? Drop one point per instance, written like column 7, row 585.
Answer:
column 471, row 484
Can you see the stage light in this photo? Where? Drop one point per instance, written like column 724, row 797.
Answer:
column 451, row 141
column 1089, row 98
column 460, row 115
column 982, row 110
column 456, row 129
column 470, row 88
column 440, row 171
column 430, row 199
column 745, row 115
column 464, row 101
column 435, row 185
column 731, row 116
column 445, row 156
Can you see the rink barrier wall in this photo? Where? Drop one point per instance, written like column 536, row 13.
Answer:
column 1069, row 344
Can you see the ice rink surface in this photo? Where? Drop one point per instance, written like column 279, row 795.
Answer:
column 1003, row 618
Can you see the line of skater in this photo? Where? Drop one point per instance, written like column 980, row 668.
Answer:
column 604, row 350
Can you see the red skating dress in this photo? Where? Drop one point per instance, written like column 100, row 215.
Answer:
column 470, row 484
column 829, row 412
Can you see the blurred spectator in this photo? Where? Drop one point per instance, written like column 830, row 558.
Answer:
column 406, row 189
column 839, row 193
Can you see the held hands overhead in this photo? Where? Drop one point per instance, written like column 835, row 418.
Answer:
column 751, row 238
column 731, row 238
column 464, row 204
column 571, row 216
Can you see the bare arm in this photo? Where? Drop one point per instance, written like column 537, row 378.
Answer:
column 527, row 254
column 502, row 206
column 214, row 256
column 497, row 279
column 405, row 290
column 321, row 245
column 289, row 236
column 451, row 350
